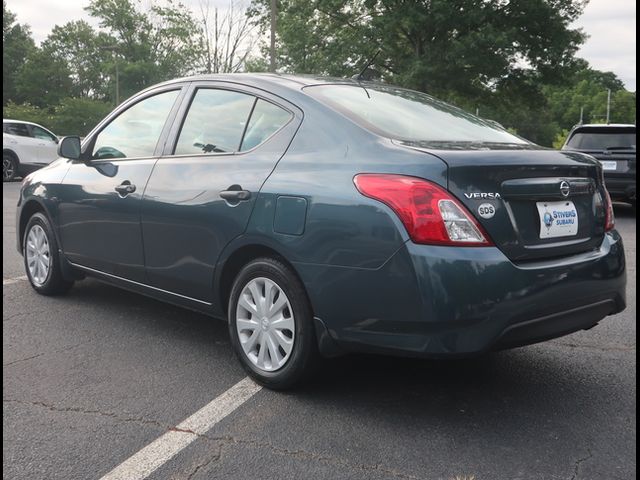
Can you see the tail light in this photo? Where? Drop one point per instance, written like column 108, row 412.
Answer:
column 609, row 218
column 430, row 213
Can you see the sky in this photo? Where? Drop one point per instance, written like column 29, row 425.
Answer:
column 610, row 24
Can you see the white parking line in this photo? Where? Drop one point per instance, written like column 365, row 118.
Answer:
column 160, row 451
column 11, row 281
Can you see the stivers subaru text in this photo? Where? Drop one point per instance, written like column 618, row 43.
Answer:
column 323, row 216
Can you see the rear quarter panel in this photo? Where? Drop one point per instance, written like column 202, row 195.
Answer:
column 342, row 227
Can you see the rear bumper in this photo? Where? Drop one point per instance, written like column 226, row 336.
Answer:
column 556, row 324
column 449, row 301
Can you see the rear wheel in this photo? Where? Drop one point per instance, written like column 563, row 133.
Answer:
column 9, row 167
column 271, row 324
column 41, row 257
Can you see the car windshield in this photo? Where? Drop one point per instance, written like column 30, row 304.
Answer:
column 413, row 117
column 603, row 140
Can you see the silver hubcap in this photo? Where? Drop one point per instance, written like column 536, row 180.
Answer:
column 7, row 168
column 264, row 320
column 38, row 255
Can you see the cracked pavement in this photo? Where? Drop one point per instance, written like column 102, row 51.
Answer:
column 92, row 377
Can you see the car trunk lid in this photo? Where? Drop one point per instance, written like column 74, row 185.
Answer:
column 525, row 187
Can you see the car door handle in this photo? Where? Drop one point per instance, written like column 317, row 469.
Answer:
column 235, row 195
column 125, row 188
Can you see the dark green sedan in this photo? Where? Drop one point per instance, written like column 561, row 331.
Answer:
column 322, row 216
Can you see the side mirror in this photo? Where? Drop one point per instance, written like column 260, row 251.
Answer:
column 69, row 147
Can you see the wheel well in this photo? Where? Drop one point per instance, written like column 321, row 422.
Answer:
column 6, row 151
column 28, row 210
column 239, row 259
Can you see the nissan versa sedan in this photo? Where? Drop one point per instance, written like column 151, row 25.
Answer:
column 322, row 216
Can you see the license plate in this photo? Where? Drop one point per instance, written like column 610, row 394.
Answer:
column 557, row 219
column 609, row 165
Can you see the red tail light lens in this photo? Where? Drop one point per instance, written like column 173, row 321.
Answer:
column 430, row 213
column 610, row 220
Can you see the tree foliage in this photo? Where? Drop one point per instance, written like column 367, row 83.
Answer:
column 152, row 45
column 513, row 61
column 72, row 116
column 42, row 80
column 441, row 46
column 84, row 51
column 16, row 46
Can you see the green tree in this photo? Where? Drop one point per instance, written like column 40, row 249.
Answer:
column 42, row 80
column 152, row 45
column 16, row 46
column 586, row 96
column 73, row 116
column 27, row 113
column 83, row 50
column 560, row 138
column 493, row 55
column 77, row 116
column 441, row 46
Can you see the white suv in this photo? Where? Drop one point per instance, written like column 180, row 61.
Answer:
column 26, row 147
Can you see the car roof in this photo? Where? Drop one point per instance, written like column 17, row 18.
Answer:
column 605, row 125
column 18, row 121
column 273, row 82
column 295, row 81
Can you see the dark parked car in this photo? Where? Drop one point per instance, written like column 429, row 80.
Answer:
column 615, row 148
column 324, row 216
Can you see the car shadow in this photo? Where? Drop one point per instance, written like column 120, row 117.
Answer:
column 135, row 311
column 624, row 210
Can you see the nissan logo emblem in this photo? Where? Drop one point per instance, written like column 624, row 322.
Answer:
column 565, row 188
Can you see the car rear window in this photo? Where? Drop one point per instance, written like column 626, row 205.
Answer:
column 603, row 139
column 411, row 116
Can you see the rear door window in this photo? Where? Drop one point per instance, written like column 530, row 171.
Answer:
column 215, row 122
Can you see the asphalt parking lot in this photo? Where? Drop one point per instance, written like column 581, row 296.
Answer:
column 91, row 378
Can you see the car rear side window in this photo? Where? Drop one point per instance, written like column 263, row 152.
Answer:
column 19, row 129
column 215, row 122
column 266, row 119
column 136, row 131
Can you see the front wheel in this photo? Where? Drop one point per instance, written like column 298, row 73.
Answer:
column 271, row 324
column 41, row 257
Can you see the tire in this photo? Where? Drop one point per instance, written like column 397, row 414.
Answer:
column 292, row 322
column 39, row 247
column 9, row 167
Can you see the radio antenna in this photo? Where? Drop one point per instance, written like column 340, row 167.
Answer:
column 361, row 74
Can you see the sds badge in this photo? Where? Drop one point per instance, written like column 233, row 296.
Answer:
column 486, row 210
